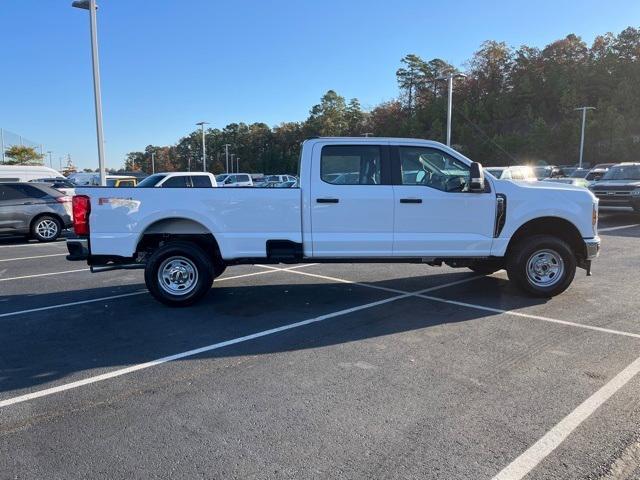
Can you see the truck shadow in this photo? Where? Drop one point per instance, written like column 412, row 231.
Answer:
column 79, row 341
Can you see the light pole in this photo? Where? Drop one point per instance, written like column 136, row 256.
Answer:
column 232, row 155
column 226, row 156
column 92, row 7
column 50, row 159
column 237, row 164
column 449, row 79
column 584, row 121
column 153, row 163
column 204, row 148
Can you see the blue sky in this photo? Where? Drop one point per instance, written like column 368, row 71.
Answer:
column 167, row 64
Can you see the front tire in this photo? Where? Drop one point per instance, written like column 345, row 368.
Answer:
column 542, row 265
column 179, row 274
column 46, row 228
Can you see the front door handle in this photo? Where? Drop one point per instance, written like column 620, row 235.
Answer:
column 410, row 200
column 327, row 200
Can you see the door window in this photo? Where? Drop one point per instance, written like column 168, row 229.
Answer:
column 350, row 164
column 176, row 182
column 200, row 181
column 433, row 168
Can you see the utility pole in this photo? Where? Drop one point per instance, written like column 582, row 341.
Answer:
column 449, row 79
column 2, row 143
column 153, row 163
column 584, row 121
column 204, row 147
column 50, row 159
column 226, row 156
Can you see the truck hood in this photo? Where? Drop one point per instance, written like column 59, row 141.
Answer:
column 535, row 190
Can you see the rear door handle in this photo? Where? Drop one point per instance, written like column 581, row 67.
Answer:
column 327, row 200
column 410, row 200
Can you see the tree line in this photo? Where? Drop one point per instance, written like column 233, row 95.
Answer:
column 514, row 106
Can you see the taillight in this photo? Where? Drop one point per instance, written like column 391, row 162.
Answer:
column 81, row 206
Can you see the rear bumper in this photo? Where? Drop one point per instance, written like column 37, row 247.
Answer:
column 78, row 248
column 591, row 247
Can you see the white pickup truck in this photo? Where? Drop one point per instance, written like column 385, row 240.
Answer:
column 359, row 200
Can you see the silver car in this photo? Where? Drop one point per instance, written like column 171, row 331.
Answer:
column 36, row 210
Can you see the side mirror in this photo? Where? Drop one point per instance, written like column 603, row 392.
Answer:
column 476, row 183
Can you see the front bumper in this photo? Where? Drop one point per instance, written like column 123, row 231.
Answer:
column 78, row 248
column 591, row 247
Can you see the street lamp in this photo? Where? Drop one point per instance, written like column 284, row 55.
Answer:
column 92, row 7
column 226, row 156
column 153, row 162
column 584, row 120
column 449, row 79
column 232, row 155
column 50, row 160
column 237, row 164
column 204, row 148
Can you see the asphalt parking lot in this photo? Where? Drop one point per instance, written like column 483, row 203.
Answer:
column 320, row 371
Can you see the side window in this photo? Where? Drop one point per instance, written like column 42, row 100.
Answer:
column 9, row 193
column 243, row 178
column 176, row 182
column 433, row 168
column 30, row 191
column 200, row 181
column 350, row 164
column 126, row 183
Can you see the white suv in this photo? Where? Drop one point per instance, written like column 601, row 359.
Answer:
column 180, row 180
column 234, row 180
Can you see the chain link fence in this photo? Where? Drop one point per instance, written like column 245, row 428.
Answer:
column 10, row 139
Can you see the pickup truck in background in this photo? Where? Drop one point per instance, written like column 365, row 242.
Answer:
column 359, row 200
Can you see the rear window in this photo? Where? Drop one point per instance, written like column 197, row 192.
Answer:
column 200, row 181
column 180, row 181
column 350, row 164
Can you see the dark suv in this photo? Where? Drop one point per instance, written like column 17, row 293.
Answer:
column 619, row 187
column 36, row 210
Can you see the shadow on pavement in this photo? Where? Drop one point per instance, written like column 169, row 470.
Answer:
column 46, row 346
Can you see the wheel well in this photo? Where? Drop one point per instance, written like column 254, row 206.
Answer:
column 183, row 229
column 556, row 226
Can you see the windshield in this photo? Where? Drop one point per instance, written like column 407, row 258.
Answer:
column 152, row 180
column 623, row 172
column 221, row 178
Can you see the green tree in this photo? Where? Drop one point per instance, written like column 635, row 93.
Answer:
column 22, row 155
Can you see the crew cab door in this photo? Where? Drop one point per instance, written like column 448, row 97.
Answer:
column 351, row 201
column 435, row 215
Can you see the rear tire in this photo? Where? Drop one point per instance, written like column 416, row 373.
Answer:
column 46, row 228
column 542, row 265
column 179, row 273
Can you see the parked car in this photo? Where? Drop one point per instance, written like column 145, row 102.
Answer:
column 65, row 186
column 445, row 211
column 33, row 209
column 234, row 180
column 597, row 172
column 25, row 173
column 619, row 187
column 279, row 178
column 179, row 180
column 91, row 179
column 577, row 182
column 519, row 172
column 546, row 171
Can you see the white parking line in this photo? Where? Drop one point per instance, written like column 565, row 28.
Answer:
column 526, row 462
column 471, row 305
column 134, row 368
column 45, row 244
column 611, row 229
column 44, row 274
column 139, row 292
column 36, row 256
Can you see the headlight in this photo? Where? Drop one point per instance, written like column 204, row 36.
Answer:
column 636, row 193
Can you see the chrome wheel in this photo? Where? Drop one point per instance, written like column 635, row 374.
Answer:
column 177, row 275
column 545, row 268
column 47, row 228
